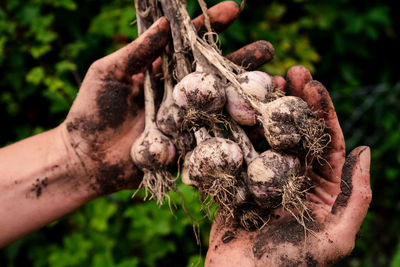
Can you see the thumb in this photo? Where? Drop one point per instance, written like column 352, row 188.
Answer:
column 352, row 203
column 134, row 57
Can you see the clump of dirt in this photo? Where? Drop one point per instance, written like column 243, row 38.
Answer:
column 112, row 103
column 37, row 188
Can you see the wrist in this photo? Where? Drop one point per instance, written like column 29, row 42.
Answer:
column 41, row 180
column 100, row 167
column 74, row 167
column 79, row 162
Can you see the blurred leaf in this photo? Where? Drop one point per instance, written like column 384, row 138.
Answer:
column 101, row 213
column 58, row 102
column 396, row 258
column 35, row 75
column 64, row 66
column 275, row 11
column 39, row 50
column 129, row 263
column 195, row 261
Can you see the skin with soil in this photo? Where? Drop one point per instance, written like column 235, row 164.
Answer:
column 112, row 177
column 278, row 236
column 100, row 126
column 113, row 106
column 143, row 56
column 272, row 243
column 284, row 242
column 118, row 103
column 297, row 77
column 346, row 185
column 254, row 55
column 37, row 188
column 323, row 108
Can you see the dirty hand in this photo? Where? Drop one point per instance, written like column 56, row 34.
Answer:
column 338, row 203
column 48, row 175
column 108, row 113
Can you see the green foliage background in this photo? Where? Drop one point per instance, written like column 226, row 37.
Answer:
column 46, row 46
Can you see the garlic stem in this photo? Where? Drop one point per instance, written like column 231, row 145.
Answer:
column 201, row 135
column 150, row 114
column 241, row 138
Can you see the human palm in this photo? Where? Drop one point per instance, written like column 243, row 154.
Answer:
column 337, row 202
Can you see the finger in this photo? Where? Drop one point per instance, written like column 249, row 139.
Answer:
column 324, row 192
column 134, row 57
column 254, row 55
column 297, row 77
column 157, row 68
column 318, row 99
column 279, row 83
column 221, row 16
column 352, row 203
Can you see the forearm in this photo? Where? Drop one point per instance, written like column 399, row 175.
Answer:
column 41, row 179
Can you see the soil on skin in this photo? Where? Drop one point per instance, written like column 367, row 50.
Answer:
column 285, row 261
column 136, row 102
column 113, row 107
column 111, row 177
column 227, row 237
column 112, row 103
column 85, row 124
column 253, row 55
column 285, row 232
column 346, row 185
column 250, row 216
column 142, row 55
column 297, row 78
column 311, row 262
column 37, row 188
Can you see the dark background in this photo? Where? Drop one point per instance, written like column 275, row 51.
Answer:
column 46, row 46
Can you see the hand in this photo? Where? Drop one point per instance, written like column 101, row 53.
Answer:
column 338, row 201
column 88, row 154
column 108, row 113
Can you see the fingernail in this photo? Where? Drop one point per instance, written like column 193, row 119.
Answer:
column 365, row 160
